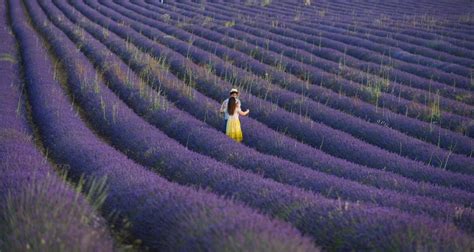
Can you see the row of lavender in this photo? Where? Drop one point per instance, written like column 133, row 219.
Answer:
column 328, row 47
column 341, row 56
column 325, row 138
column 430, row 52
column 343, row 48
column 128, row 132
column 201, row 138
column 336, row 25
column 38, row 210
column 358, row 20
column 260, row 136
column 413, row 127
column 455, row 37
column 355, row 15
column 92, row 89
column 360, row 9
column 164, row 215
column 111, row 117
column 373, row 134
column 320, row 46
column 419, row 23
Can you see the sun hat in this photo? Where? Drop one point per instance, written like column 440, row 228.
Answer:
column 234, row 91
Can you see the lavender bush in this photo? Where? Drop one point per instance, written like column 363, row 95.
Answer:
column 285, row 147
column 417, row 46
column 182, row 127
column 347, row 61
column 174, row 162
column 321, row 46
column 162, row 81
column 38, row 210
column 164, row 215
column 333, row 33
column 355, row 140
column 377, row 135
column 315, row 134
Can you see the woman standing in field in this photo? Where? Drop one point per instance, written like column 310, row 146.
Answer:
column 233, row 93
column 233, row 129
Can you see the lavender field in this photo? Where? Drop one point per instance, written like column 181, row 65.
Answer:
column 360, row 135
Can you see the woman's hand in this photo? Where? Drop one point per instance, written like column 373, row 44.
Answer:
column 242, row 113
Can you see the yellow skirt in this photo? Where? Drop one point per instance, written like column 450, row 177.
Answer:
column 233, row 130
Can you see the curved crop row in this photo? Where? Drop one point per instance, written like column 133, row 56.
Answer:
column 38, row 210
column 347, row 24
column 365, row 46
column 333, row 10
column 315, row 134
column 349, row 8
column 410, row 25
column 404, row 89
column 129, row 132
column 415, row 44
column 370, row 61
column 31, row 194
column 449, row 9
column 164, row 215
column 199, row 137
column 268, row 44
column 442, row 19
column 400, row 49
column 260, row 137
column 375, row 134
column 12, row 106
column 430, row 52
column 430, row 133
column 457, row 55
column 370, row 134
column 427, row 131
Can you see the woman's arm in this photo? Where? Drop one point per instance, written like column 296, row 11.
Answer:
column 223, row 107
column 243, row 113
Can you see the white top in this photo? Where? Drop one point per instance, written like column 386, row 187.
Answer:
column 236, row 112
column 224, row 108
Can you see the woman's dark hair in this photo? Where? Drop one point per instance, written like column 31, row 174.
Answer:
column 231, row 105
